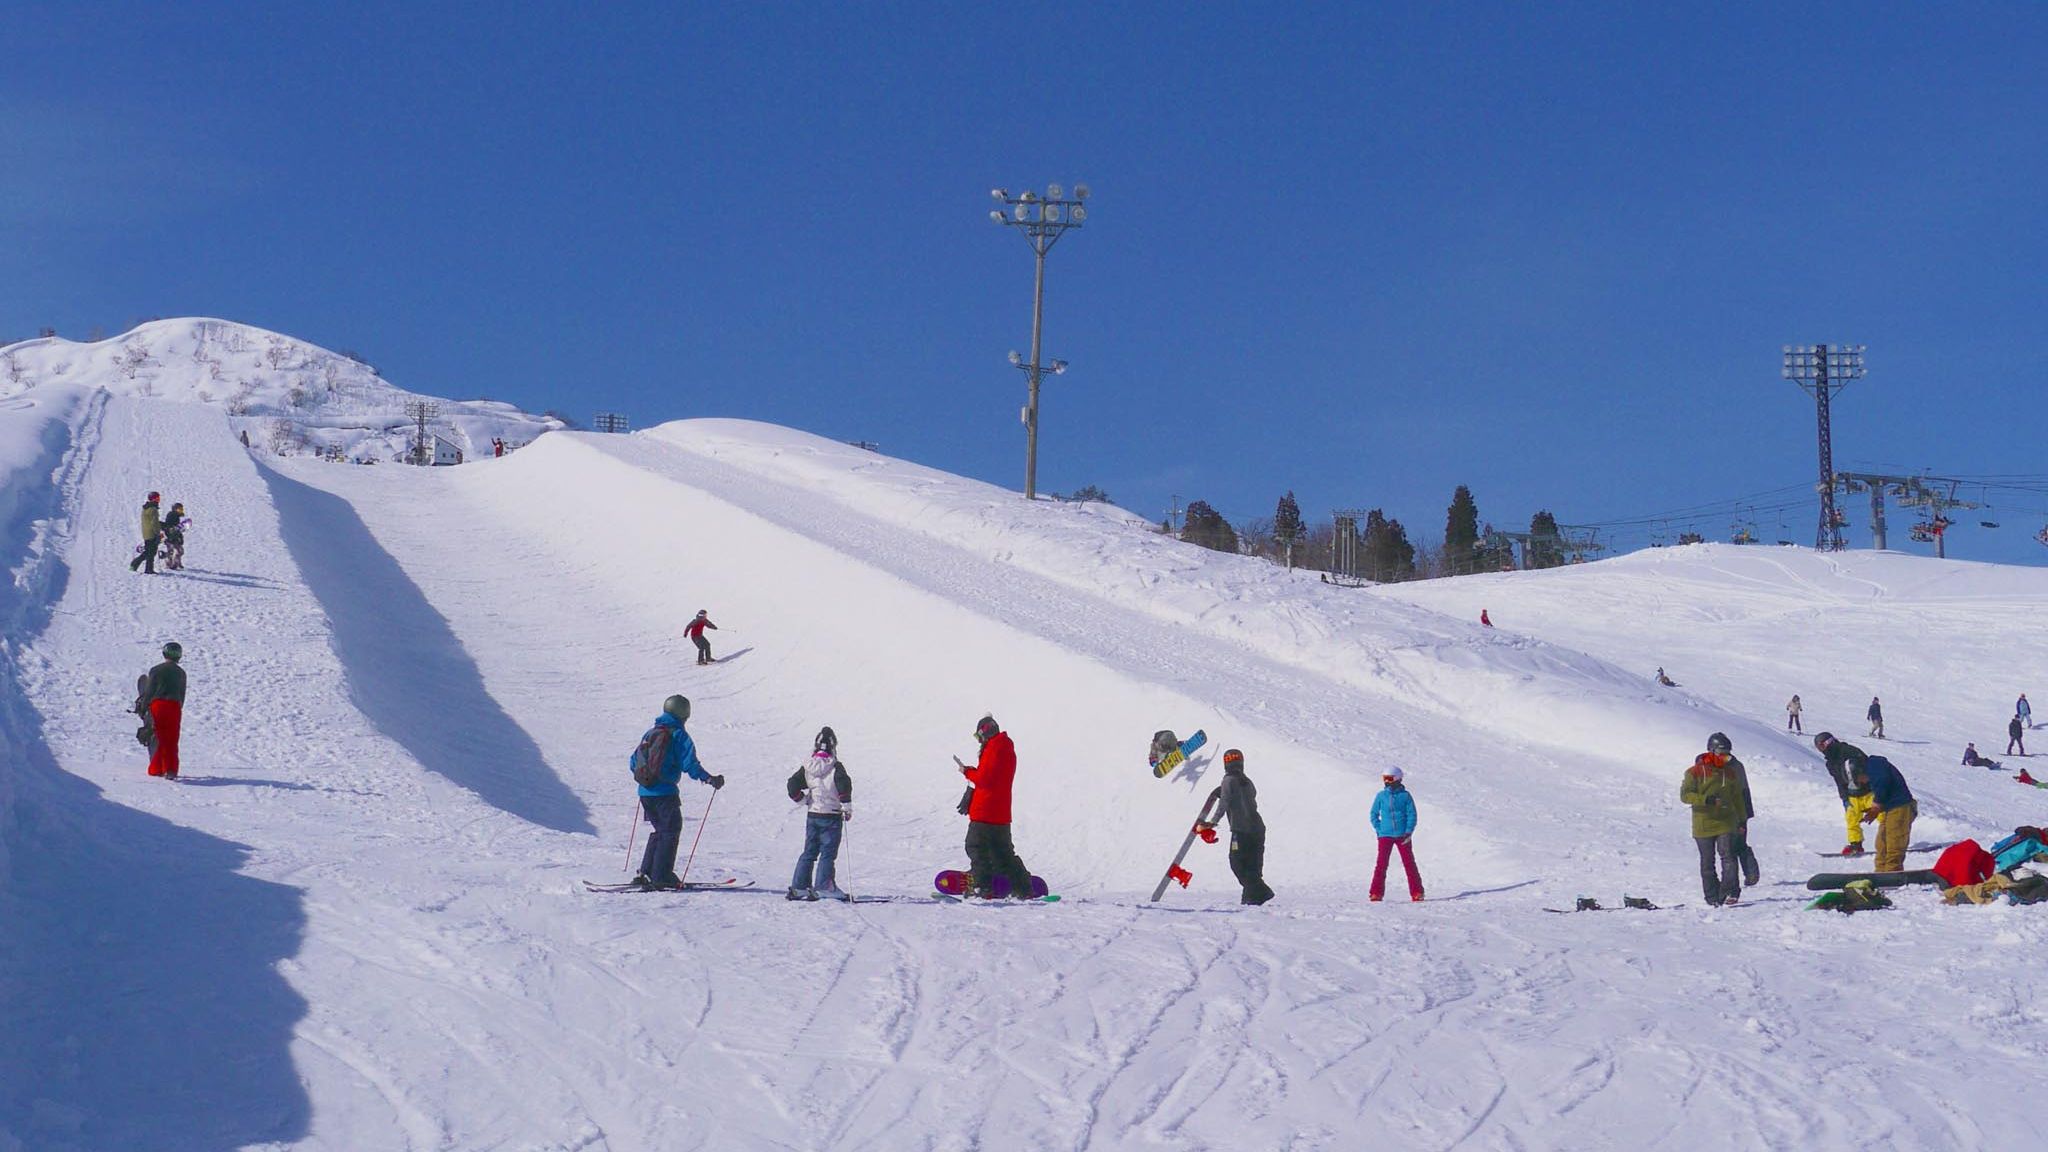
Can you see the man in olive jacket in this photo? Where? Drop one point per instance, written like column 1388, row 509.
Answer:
column 1714, row 787
column 152, row 534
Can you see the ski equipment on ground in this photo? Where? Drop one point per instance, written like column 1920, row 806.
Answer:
column 1827, row 880
column 953, row 882
column 1866, row 852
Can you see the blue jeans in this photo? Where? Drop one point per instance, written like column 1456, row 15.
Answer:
column 821, row 847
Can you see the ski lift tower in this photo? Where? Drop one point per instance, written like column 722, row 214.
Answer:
column 1824, row 370
column 1043, row 220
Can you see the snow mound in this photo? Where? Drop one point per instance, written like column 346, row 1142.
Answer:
column 287, row 395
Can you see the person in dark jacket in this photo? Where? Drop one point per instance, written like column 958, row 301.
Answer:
column 695, row 632
column 991, row 851
column 1719, row 742
column 164, row 695
column 821, row 781
column 1893, row 808
column 1393, row 820
column 1845, row 764
column 174, row 523
column 1875, row 714
column 1240, row 799
column 2015, row 734
column 662, row 801
column 1975, row 759
column 152, row 535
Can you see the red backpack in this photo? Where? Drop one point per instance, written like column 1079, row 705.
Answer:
column 1965, row 862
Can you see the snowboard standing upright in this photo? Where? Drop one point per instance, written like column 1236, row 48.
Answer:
column 1204, row 827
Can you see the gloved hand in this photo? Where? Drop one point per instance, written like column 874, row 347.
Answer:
column 1713, row 801
column 716, row 783
column 1872, row 814
column 966, row 801
column 846, row 813
column 1207, row 832
column 796, row 795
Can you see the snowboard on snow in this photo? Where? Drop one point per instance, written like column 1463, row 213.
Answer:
column 1827, row 880
column 1164, row 765
column 1873, row 852
column 953, row 882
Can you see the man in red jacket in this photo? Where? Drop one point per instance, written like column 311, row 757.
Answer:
column 990, row 851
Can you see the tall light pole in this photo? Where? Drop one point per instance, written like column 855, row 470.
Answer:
column 1823, row 371
column 1043, row 220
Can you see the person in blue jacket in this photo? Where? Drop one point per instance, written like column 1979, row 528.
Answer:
column 1393, row 818
column 661, row 801
column 1893, row 807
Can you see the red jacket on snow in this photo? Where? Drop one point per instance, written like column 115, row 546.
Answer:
column 992, row 776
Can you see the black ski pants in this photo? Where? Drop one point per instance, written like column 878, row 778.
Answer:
column 658, row 863
column 1248, row 864
column 1746, row 858
column 991, row 853
column 703, row 648
column 1724, row 883
column 147, row 561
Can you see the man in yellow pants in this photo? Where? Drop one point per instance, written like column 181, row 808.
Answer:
column 1846, row 763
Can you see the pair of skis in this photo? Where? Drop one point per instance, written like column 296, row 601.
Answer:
column 727, row 884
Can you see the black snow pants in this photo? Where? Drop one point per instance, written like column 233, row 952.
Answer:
column 703, row 648
column 1726, row 882
column 1248, row 864
column 991, row 853
column 147, row 561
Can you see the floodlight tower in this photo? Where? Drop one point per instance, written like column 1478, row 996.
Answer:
column 1043, row 221
column 1824, row 370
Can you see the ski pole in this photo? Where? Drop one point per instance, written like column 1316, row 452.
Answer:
column 632, row 831
column 684, row 879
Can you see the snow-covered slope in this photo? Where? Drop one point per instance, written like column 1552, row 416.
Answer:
column 286, row 394
column 357, row 922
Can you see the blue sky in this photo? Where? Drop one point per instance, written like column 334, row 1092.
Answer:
column 1363, row 252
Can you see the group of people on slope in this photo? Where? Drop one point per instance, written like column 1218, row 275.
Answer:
column 1874, row 714
column 161, row 530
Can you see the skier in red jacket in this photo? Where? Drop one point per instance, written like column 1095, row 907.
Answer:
column 990, row 850
column 695, row 632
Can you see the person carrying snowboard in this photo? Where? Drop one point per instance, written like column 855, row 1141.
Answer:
column 1393, row 820
column 1893, row 808
column 1975, row 759
column 163, row 694
column 670, row 755
column 1714, row 788
column 991, row 851
column 695, row 632
column 1846, row 764
column 174, row 524
column 1792, row 710
column 1875, row 714
column 1719, row 742
column 152, row 534
column 822, row 780
column 1240, row 804
column 2015, row 733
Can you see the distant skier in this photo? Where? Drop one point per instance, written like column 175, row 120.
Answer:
column 695, row 631
column 163, row 694
column 1666, row 681
column 1393, row 820
column 821, row 780
column 174, row 525
column 991, row 851
column 152, row 535
column 1483, row 619
column 1974, row 759
column 661, row 802
column 1714, row 788
column 1846, row 764
column 245, row 437
column 1893, row 808
column 1792, row 710
column 1720, row 743
column 497, row 446
column 2024, row 710
column 2015, row 734
column 1240, row 799
column 1875, row 714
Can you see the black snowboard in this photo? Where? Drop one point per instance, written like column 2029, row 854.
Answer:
column 1827, row 880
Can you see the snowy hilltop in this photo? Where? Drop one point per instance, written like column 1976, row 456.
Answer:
column 288, row 396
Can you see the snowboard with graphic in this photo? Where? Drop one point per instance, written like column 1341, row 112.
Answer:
column 953, row 882
column 1163, row 766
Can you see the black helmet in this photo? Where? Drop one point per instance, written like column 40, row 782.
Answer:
column 985, row 728
column 1718, row 742
column 1821, row 740
column 677, row 706
column 827, row 741
column 173, row 651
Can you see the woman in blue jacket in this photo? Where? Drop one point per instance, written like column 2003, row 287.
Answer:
column 1393, row 818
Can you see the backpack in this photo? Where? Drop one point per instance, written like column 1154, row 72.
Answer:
column 2023, row 845
column 650, row 755
column 1964, row 862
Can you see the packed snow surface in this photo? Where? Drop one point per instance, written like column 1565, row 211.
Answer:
column 358, row 921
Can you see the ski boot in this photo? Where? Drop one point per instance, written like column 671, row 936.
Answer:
column 829, row 892
column 802, row 894
column 1855, row 849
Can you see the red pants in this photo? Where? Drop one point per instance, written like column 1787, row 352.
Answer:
column 1379, row 872
column 163, row 715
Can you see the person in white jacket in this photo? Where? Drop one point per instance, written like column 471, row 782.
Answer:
column 822, row 784
column 1792, row 710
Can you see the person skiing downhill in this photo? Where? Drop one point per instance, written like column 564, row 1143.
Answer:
column 991, row 850
column 2015, row 733
column 695, row 632
column 1714, row 788
column 152, row 534
column 662, row 803
column 2024, row 710
column 1792, row 710
column 1875, row 714
column 163, row 694
column 1893, row 809
column 1393, row 820
column 1240, row 803
column 821, row 780
column 1846, row 764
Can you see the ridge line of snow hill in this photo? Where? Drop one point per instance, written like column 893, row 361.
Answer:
column 1513, row 686
column 259, row 377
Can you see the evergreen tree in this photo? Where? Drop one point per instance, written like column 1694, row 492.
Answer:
column 1207, row 527
column 1461, row 534
column 1090, row 494
column 1287, row 528
column 1546, row 544
column 1388, row 554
